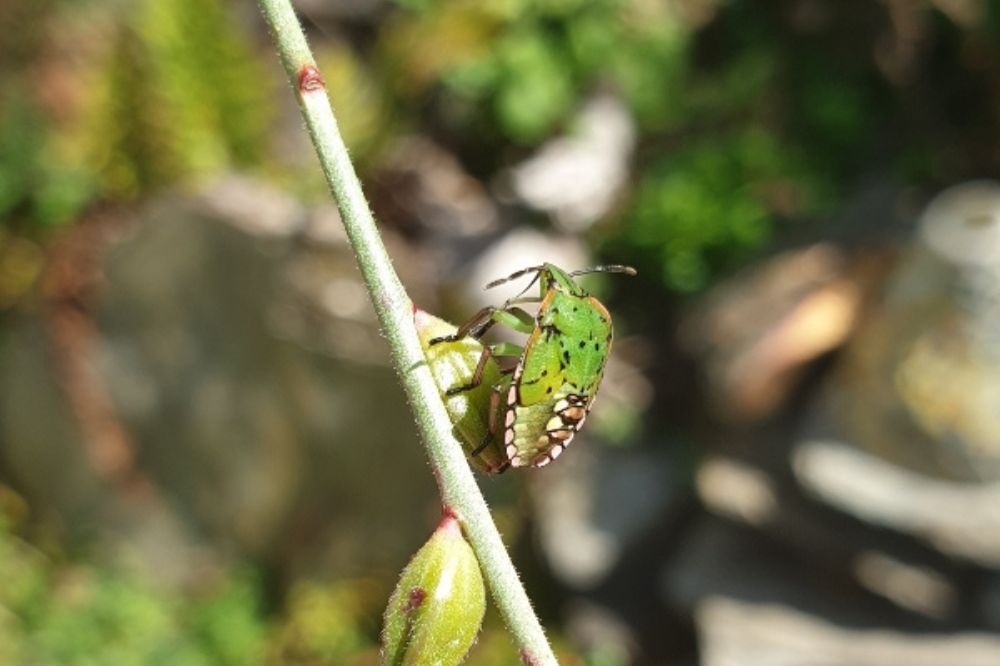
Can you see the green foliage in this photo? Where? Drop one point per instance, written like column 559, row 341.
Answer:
column 534, row 87
column 77, row 615
column 34, row 183
column 182, row 94
column 165, row 91
column 72, row 614
column 325, row 623
column 700, row 209
column 543, row 58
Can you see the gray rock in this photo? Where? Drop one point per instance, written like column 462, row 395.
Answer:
column 754, row 603
column 244, row 365
column 756, row 334
column 961, row 519
column 920, row 385
column 595, row 503
column 740, row 633
column 576, row 178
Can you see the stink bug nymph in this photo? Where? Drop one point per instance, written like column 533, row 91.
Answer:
column 540, row 403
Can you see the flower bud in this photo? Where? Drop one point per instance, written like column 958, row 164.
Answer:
column 437, row 608
column 453, row 364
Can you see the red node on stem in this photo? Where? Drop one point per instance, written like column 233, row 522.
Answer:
column 310, row 79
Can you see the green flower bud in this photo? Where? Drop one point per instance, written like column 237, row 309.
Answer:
column 453, row 364
column 437, row 608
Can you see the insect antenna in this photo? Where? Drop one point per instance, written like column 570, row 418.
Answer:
column 513, row 276
column 609, row 268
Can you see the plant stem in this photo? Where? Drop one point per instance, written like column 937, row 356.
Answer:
column 458, row 488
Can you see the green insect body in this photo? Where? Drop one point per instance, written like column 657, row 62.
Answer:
column 537, row 411
column 469, row 411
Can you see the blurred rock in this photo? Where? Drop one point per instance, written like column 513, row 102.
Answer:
column 595, row 503
column 868, row 535
column 989, row 601
column 961, row 519
column 757, row 333
column 737, row 490
column 600, row 633
column 577, row 178
column 755, row 603
column 245, row 367
column 903, row 573
column 739, row 633
column 423, row 185
column 920, row 385
column 518, row 249
column 423, row 191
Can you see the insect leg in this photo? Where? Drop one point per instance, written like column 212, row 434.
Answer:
column 515, row 318
column 500, row 349
column 492, row 421
column 475, row 327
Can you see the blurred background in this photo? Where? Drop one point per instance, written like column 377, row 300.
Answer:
column 205, row 457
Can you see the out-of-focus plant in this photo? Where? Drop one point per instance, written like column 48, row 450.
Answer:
column 328, row 623
column 77, row 614
column 180, row 95
column 150, row 94
column 527, row 65
column 460, row 496
column 700, row 209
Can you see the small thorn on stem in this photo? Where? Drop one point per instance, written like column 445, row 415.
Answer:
column 310, row 79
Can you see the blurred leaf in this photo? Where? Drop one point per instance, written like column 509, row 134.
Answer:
column 416, row 49
column 704, row 207
column 326, row 623
column 228, row 623
column 537, row 88
column 182, row 95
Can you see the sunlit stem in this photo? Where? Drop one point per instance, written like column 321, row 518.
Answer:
column 458, row 488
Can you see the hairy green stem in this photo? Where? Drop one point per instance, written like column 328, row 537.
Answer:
column 458, row 488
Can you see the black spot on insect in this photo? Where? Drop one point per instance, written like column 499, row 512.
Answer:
column 583, row 343
column 545, row 372
column 548, row 389
column 597, row 346
column 565, row 356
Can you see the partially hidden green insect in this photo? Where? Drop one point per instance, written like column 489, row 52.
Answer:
column 453, row 364
column 539, row 404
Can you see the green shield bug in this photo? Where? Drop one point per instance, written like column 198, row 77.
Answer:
column 455, row 363
column 540, row 403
